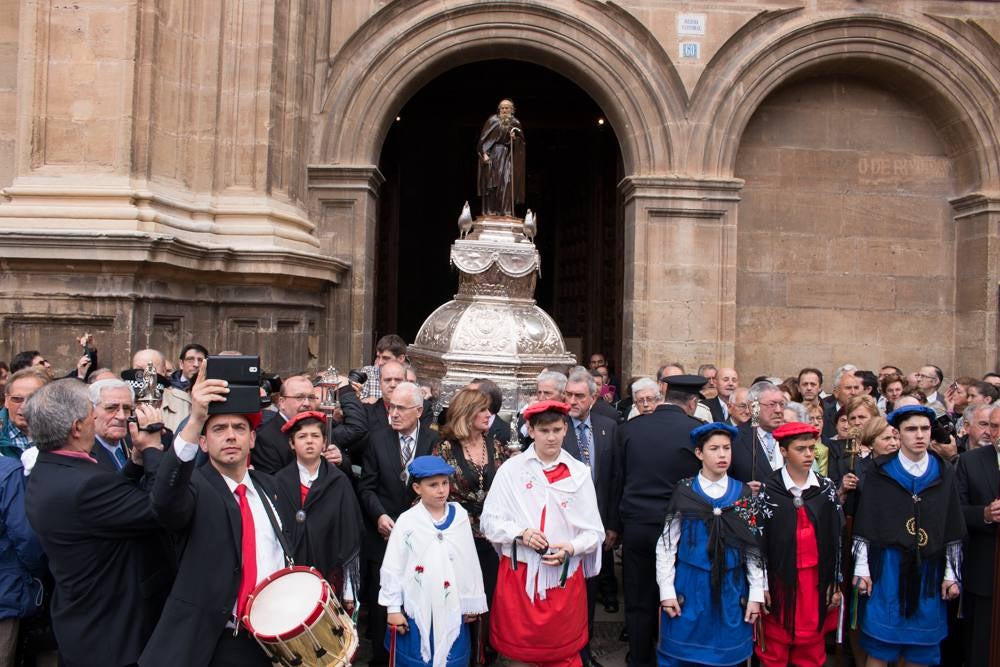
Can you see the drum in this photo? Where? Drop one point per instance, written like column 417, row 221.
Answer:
column 298, row 621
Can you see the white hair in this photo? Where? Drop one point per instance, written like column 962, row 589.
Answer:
column 416, row 398
column 842, row 371
column 645, row 383
column 95, row 390
column 580, row 374
column 552, row 376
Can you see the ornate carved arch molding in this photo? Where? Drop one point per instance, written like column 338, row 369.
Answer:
column 601, row 48
column 948, row 76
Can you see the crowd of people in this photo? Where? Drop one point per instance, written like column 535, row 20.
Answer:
column 763, row 520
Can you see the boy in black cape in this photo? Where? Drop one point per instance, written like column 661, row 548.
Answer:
column 801, row 544
column 908, row 531
column 320, row 515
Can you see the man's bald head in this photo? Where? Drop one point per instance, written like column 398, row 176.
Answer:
column 143, row 357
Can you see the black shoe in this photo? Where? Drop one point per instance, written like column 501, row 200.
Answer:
column 611, row 606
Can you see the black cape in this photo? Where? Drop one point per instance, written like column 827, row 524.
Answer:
column 779, row 542
column 329, row 537
column 736, row 527
column 920, row 526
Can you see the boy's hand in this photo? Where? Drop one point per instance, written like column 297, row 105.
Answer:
column 672, row 607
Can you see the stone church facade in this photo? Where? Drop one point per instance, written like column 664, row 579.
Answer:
column 804, row 182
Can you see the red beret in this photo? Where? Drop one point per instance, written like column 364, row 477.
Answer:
column 253, row 418
column 308, row 414
column 545, row 406
column 792, row 429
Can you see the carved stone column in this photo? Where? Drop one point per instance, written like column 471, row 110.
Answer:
column 345, row 202
column 680, row 271
column 977, row 277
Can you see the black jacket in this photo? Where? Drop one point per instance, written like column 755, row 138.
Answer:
column 381, row 490
column 656, row 453
column 103, row 544
column 978, row 481
column 606, row 483
column 743, row 463
column 197, row 504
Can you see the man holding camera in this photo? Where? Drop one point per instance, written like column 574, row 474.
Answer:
column 225, row 515
column 97, row 529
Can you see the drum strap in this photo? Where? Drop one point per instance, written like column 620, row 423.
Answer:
column 289, row 561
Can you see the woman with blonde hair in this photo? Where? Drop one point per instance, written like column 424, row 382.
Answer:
column 465, row 447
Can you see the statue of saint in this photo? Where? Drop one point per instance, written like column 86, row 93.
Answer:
column 501, row 161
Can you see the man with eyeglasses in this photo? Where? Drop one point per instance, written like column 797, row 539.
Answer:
column 192, row 357
column 739, row 406
column 14, row 437
column 272, row 451
column 114, row 403
column 746, row 467
column 645, row 397
column 384, row 490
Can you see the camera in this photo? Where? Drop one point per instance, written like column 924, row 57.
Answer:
column 942, row 429
column 242, row 372
column 358, row 376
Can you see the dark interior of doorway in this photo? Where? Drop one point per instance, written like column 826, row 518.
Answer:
column 573, row 168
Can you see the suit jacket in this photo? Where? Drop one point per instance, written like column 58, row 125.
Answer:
column 978, row 481
column 656, row 453
column 605, row 409
column 605, row 464
column 741, row 468
column 499, row 430
column 197, row 505
column 271, row 452
column 381, row 490
column 829, row 417
column 715, row 407
column 104, row 458
column 111, row 574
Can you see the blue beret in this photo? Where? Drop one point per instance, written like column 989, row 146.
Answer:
column 428, row 466
column 702, row 432
column 907, row 411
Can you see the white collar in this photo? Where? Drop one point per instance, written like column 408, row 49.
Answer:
column 305, row 477
column 706, row 484
column 531, row 454
column 915, row 468
column 811, row 481
column 245, row 482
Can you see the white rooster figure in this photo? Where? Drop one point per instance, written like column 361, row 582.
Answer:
column 530, row 225
column 465, row 221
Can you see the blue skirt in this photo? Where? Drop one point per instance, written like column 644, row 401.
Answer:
column 408, row 647
column 883, row 619
column 703, row 633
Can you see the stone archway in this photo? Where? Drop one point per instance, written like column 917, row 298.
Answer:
column 940, row 66
column 604, row 50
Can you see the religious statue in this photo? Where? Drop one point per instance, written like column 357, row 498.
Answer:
column 501, row 161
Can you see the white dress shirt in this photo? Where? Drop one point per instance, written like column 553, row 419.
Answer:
column 270, row 557
column 666, row 559
column 917, row 469
column 793, row 488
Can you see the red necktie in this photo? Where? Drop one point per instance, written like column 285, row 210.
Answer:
column 249, row 548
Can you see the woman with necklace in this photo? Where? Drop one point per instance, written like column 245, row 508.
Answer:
column 465, row 447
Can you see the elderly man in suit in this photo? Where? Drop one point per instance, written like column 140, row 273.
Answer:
column 224, row 515
column 384, row 490
column 772, row 404
column 978, row 479
column 590, row 438
column 98, row 530
column 114, row 403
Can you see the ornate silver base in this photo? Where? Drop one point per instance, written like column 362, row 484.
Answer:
column 492, row 328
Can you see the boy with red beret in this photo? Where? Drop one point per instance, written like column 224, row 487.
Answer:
column 541, row 514
column 801, row 544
